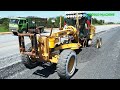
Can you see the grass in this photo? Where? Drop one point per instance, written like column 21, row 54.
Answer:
column 3, row 29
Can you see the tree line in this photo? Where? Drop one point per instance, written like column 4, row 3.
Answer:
column 5, row 22
column 99, row 22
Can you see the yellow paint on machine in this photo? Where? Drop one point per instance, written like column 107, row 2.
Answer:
column 51, row 42
column 69, row 46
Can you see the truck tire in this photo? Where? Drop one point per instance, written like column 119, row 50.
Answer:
column 66, row 64
column 27, row 60
column 15, row 33
column 24, row 32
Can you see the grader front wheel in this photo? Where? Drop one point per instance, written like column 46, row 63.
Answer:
column 67, row 64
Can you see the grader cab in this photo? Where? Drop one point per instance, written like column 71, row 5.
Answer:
column 57, row 48
column 83, row 23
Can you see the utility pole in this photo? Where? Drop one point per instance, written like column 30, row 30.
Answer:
column 60, row 27
column 77, row 20
column 77, row 24
column 60, row 21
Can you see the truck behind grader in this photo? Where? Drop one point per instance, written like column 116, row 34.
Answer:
column 58, row 48
column 21, row 24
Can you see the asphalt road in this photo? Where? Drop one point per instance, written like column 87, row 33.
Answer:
column 9, row 48
column 103, row 63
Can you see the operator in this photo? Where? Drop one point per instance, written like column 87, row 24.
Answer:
column 88, row 25
column 65, row 25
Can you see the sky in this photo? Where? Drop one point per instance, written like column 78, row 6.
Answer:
column 47, row 14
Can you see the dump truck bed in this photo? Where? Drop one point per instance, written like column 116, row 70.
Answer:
column 33, row 22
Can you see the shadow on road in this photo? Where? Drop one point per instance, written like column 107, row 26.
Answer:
column 46, row 71
column 83, row 56
column 78, row 51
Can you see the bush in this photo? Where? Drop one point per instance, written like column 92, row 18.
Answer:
column 3, row 29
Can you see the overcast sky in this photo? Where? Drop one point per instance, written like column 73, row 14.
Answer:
column 47, row 14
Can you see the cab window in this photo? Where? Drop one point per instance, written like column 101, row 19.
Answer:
column 24, row 21
column 21, row 22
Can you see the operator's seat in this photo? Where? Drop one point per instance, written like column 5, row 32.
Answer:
column 82, row 28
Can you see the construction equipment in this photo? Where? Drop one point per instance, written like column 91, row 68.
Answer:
column 57, row 48
column 79, row 20
column 22, row 24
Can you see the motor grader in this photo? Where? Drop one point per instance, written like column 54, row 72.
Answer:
column 57, row 48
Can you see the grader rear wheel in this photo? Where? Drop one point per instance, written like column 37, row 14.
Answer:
column 67, row 64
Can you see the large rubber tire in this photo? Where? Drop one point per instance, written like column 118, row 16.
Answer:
column 27, row 60
column 63, row 69
column 15, row 33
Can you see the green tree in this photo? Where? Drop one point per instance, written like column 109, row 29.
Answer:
column 49, row 23
column 57, row 21
column 95, row 21
column 5, row 22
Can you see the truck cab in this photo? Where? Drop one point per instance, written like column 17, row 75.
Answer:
column 22, row 24
column 17, row 25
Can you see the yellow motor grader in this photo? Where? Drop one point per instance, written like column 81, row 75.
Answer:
column 57, row 48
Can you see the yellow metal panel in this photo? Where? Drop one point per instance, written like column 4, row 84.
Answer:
column 69, row 30
column 91, row 36
column 51, row 42
column 71, row 46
